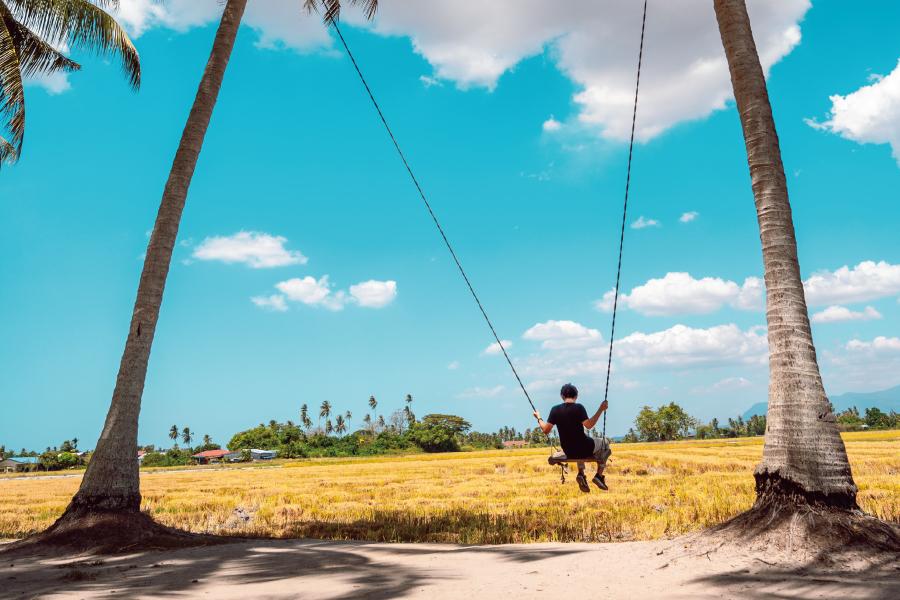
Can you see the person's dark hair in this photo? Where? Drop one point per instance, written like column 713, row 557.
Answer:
column 569, row 391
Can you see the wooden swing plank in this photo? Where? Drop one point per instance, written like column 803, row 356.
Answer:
column 562, row 459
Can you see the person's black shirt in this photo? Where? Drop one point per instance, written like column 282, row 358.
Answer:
column 568, row 418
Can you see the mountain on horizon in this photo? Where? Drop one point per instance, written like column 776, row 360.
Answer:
column 887, row 400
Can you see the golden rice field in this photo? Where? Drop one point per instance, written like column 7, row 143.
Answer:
column 657, row 490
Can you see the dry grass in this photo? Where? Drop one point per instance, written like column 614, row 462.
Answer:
column 658, row 490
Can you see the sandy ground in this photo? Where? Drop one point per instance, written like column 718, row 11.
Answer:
column 275, row 569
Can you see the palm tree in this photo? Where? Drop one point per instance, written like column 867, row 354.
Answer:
column 328, row 427
column 340, row 426
column 207, row 440
column 110, row 488
column 30, row 32
column 304, row 415
column 347, row 417
column 381, row 422
column 173, row 433
column 409, row 399
column 368, row 421
column 373, row 403
column 804, row 459
column 324, row 410
column 187, row 436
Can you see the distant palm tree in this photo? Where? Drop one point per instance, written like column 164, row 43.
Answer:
column 373, row 403
column 304, row 414
column 30, row 32
column 381, row 422
column 324, row 410
column 368, row 421
column 187, row 435
column 75, row 443
column 340, row 426
column 409, row 399
column 410, row 417
column 173, row 433
column 328, row 427
column 207, row 441
column 348, row 416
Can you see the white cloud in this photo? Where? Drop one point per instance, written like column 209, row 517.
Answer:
column 54, row 83
column 551, row 125
column 836, row 314
column 678, row 348
column 642, row 223
column 312, row 292
column 318, row 292
column 430, row 81
column 870, row 115
column 594, row 44
column 558, row 335
column 255, row 249
column 495, row 348
column 454, row 365
column 866, row 281
column 880, row 344
column 688, row 216
column 282, row 24
column 482, row 392
column 274, row 302
column 682, row 346
column 679, row 293
column 374, row 294
column 724, row 385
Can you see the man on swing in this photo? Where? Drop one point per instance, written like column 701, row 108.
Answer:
column 571, row 419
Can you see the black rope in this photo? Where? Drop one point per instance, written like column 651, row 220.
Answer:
column 434, row 217
column 612, row 333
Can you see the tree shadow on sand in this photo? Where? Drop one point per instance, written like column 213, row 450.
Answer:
column 345, row 571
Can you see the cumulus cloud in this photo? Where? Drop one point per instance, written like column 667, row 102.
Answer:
column 688, row 216
column 312, row 292
column 255, row 249
column 880, row 344
column 643, row 223
column 682, row 346
column 318, row 292
column 836, row 314
column 494, row 348
column 685, row 75
column 551, row 125
column 374, row 294
column 724, row 385
column 274, row 302
column 866, row 281
column 279, row 24
column 680, row 293
column 870, row 115
column 557, row 335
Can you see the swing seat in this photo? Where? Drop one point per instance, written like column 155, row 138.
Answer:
column 560, row 458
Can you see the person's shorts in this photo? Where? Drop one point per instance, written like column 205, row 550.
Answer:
column 602, row 451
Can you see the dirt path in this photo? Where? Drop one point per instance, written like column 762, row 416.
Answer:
column 344, row 570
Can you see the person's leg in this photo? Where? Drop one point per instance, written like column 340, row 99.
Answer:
column 582, row 479
column 601, row 453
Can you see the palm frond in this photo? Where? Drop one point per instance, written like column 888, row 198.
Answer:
column 332, row 8
column 12, row 95
column 35, row 55
column 81, row 24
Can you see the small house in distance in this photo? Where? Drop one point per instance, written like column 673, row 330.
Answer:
column 213, row 456
column 515, row 444
column 257, row 454
column 17, row 464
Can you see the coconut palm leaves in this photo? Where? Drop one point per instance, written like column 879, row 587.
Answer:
column 331, row 9
column 31, row 31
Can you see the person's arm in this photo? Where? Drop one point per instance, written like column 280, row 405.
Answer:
column 589, row 423
column 544, row 425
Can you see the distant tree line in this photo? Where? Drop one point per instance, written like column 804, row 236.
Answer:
column 872, row 418
column 672, row 422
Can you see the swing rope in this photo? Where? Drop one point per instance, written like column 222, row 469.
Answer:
column 612, row 333
column 434, row 218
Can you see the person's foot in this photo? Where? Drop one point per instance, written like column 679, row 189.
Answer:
column 582, row 483
column 600, row 482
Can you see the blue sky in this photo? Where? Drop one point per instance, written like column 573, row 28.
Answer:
column 515, row 130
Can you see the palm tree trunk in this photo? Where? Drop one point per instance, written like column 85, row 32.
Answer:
column 804, row 459
column 111, row 482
